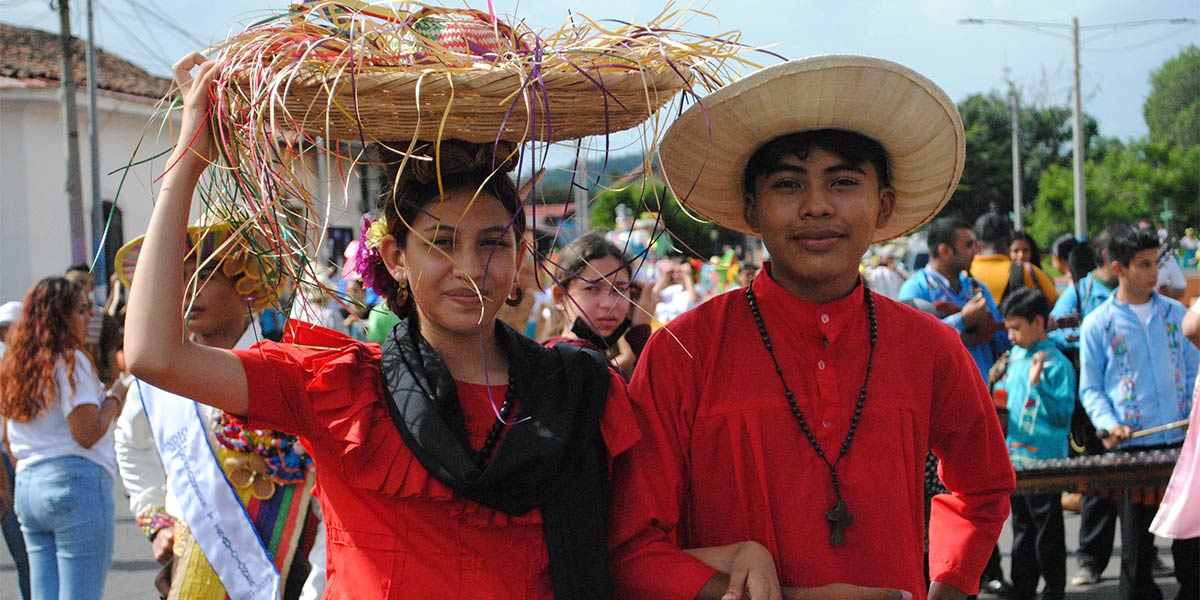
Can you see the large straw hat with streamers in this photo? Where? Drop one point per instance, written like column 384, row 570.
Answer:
column 351, row 71
column 704, row 153
column 255, row 277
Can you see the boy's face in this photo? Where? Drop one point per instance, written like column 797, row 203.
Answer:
column 1023, row 332
column 817, row 215
column 1140, row 277
column 217, row 309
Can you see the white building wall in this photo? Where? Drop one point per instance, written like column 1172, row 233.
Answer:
column 34, row 227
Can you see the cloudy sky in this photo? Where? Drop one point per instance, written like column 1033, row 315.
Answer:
column 923, row 34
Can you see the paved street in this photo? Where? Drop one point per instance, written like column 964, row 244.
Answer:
column 132, row 575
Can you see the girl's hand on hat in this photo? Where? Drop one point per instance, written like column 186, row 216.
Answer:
column 195, row 136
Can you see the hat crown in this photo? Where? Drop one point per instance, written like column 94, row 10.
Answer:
column 705, row 151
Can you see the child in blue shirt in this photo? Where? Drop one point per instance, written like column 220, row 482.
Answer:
column 1136, row 372
column 1040, row 383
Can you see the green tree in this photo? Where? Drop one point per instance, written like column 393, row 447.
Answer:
column 986, row 182
column 1172, row 109
column 690, row 235
column 1127, row 184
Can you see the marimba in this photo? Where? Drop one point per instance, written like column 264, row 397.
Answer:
column 1107, row 474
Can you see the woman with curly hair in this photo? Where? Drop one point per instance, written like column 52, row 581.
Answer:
column 58, row 416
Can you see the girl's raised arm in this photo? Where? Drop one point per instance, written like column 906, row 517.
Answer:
column 157, row 349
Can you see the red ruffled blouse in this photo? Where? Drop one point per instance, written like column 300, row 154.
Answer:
column 393, row 531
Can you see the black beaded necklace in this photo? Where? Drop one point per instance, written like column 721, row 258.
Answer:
column 838, row 516
column 493, row 437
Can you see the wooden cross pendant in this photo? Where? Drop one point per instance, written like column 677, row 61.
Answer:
column 839, row 517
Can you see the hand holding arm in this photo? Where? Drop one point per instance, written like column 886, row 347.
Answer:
column 750, row 568
column 942, row 591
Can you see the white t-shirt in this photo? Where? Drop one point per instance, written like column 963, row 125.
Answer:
column 49, row 436
column 673, row 300
column 1143, row 312
column 1171, row 275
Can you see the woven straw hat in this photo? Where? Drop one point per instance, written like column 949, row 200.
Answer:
column 256, row 277
column 705, row 151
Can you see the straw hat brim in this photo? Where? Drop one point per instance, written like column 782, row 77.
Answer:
column 211, row 236
column 255, row 275
column 705, row 151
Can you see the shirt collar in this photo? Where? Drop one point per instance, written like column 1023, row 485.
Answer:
column 825, row 321
column 251, row 336
column 1042, row 346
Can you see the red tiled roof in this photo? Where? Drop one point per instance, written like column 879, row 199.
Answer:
column 32, row 54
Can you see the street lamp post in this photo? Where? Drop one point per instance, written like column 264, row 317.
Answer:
column 1080, row 197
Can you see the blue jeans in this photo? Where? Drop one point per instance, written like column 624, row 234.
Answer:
column 66, row 509
column 12, row 534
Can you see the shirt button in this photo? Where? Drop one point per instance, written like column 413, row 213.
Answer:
column 821, row 365
column 827, row 424
column 824, row 318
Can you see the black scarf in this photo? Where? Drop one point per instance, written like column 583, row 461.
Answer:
column 553, row 457
column 584, row 331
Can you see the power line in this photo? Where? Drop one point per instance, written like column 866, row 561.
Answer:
column 1150, row 42
column 155, row 13
column 137, row 40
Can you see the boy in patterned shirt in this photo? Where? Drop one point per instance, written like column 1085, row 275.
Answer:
column 1136, row 372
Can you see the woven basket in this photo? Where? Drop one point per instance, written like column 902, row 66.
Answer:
column 384, row 106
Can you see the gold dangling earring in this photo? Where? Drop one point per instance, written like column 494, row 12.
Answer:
column 402, row 293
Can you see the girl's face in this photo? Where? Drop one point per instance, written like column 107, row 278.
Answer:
column 599, row 295
column 1020, row 251
column 81, row 314
column 460, row 260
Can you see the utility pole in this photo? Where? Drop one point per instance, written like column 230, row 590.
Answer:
column 1015, row 106
column 1077, row 103
column 582, row 216
column 99, row 232
column 71, row 129
column 1079, row 153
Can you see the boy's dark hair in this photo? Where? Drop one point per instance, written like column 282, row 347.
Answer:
column 943, row 231
column 1100, row 245
column 993, row 231
column 1026, row 303
column 81, row 267
column 1127, row 241
column 853, row 147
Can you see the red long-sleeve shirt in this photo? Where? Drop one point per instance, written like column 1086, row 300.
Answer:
column 722, row 459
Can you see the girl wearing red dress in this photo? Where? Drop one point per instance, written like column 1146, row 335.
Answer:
column 458, row 460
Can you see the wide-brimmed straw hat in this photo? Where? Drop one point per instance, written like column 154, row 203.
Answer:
column 704, row 153
column 255, row 276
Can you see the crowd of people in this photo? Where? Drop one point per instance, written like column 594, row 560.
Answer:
column 449, row 419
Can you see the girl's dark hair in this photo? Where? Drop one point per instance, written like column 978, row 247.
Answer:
column 1026, row 303
column 464, row 166
column 993, row 231
column 1033, row 246
column 1063, row 246
column 854, row 147
column 36, row 343
column 575, row 256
